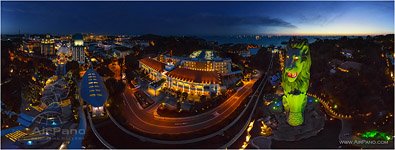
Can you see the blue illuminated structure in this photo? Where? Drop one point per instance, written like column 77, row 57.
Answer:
column 93, row 90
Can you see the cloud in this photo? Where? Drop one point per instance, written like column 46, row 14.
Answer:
column 205, row 23
column 13, row 10
column 320, row 19
column 229, row 20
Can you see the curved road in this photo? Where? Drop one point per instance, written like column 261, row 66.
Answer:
column 137, row 117
column 97, row 134
column 346, row 131
column 198, row 139
column 149, row 122
column 264, row 81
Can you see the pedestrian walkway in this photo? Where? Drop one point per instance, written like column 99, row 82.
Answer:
column 11, row 130
column 76, row 142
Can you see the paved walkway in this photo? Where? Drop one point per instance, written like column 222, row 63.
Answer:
column 76, row 142
column 11, row 130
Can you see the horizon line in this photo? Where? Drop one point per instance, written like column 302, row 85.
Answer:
column 246, row 34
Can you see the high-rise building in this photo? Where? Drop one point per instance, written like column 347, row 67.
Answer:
column 207, row 60
column 48, row 46
column 61, row 61
column 78, row 48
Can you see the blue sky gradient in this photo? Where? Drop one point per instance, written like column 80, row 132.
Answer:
column 199, row 18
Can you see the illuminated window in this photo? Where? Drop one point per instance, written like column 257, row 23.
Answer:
column 91, row 95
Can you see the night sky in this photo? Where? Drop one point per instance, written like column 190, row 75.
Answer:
column 199, row 18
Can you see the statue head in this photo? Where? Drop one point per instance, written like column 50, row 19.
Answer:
column 295, row 59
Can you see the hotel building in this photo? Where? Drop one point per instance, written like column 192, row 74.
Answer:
column 78, row 49
column 186, row 80
column 48, row 46
column 202, row 60
column 198, row 74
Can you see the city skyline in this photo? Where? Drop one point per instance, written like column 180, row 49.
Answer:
column 199, row 18
column 197, row 75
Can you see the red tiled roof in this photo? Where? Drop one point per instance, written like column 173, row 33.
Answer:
column 154, row 64
column 195, row 75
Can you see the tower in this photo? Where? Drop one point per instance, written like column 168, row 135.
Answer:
column 62, row 57
column 48, row 46
column 78, row 48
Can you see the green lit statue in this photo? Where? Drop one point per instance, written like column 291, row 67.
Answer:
column 295, row 79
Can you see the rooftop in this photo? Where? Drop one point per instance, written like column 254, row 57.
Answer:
column 63, row 50
column 77, row 36
column 122, row 48
column 351, row 65
column 93, row 90
column 154, row 64
column 203, row 55
column 195, row 75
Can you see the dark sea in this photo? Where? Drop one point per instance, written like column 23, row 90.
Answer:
column 263, row 41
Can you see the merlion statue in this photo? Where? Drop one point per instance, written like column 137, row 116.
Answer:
column 295, row 79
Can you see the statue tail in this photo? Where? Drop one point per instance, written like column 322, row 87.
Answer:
column 295, row 118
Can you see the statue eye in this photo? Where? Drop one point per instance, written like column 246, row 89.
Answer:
column 296, row 58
